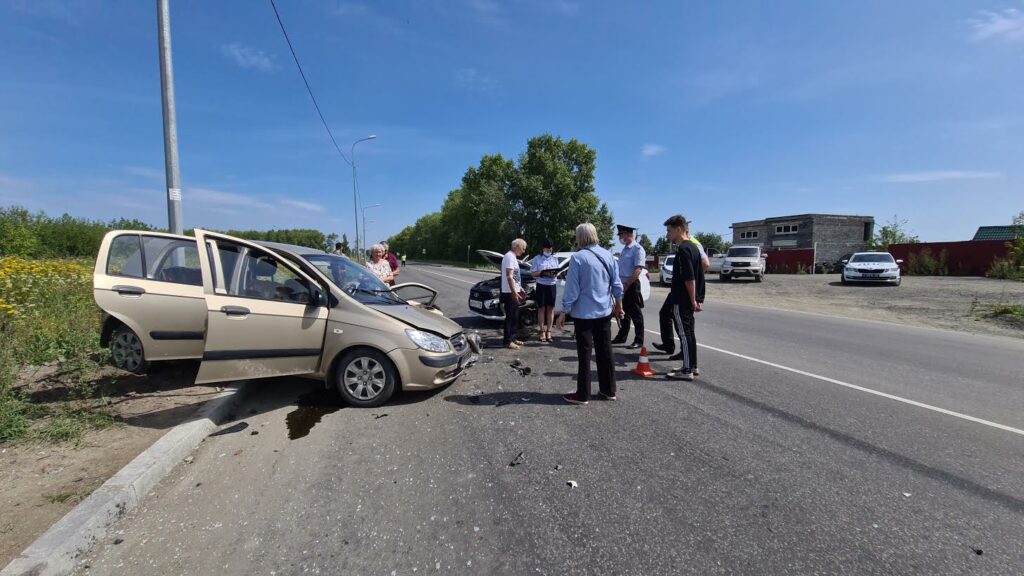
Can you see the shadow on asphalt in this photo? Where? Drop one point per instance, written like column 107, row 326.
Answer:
column 862, row 284
column 1007, row 501
column 495, row 399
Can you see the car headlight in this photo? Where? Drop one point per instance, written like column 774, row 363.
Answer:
column 495, row 292
column 427, row 341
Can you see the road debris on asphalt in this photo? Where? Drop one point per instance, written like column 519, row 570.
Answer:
column 571, row 484
column 517, row 460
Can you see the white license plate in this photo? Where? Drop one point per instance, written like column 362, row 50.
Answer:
column 871, row 275
column 475, row 304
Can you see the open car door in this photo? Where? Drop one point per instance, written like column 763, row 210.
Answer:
column 265, row 317
column 495, row 259
column 414, row 292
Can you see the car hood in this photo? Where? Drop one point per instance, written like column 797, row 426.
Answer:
column 495, row 259
column 419, row 319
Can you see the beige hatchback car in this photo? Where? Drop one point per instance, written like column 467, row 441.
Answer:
column 258, row 310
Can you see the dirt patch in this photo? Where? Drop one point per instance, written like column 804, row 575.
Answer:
column 42, row 482
column 952, row 303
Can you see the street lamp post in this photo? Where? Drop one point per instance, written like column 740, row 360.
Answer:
column 355, row 193
column 364, row 217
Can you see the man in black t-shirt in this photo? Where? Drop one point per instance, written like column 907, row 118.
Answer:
column 687, row 294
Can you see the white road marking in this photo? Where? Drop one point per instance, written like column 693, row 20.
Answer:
column 863, row 389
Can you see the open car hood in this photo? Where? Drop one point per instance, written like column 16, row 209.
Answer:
column 495, row 259
column 419, row 318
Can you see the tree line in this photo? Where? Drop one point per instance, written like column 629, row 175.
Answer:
column 544, row 193
column 36, row 235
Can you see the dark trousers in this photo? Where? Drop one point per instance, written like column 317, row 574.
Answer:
column 633, row 306
column 665, row 324
column 511, row 317
column 682, row 317
column 596, row 335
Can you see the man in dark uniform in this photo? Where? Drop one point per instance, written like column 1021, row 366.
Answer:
column 632, row 261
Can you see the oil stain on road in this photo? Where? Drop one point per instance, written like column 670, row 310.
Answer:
column 311, row 408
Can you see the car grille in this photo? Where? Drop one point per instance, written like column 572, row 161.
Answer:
column 870, row 271
column 740, row 264
column 480, row 294
column 459, row 342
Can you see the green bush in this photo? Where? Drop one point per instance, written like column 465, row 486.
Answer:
column 923, row 263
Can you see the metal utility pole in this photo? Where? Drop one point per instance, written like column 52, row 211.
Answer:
column 163, row 19
column 355, row 194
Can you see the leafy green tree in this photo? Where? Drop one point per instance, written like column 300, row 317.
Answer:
column 645, row 243
column 894, row 232
column 345, row 248
column 663, row 246
column 544, row 193
column 712, row 241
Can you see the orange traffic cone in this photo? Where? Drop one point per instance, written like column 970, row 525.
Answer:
column 643, row 367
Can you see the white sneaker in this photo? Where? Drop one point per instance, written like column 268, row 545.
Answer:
column 680, row 375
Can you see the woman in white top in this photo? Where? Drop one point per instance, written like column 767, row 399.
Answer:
column 543, row 267
column 378, row 265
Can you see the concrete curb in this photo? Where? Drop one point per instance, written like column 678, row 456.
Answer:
column 55, row 552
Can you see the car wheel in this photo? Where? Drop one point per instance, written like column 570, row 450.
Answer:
column 759, row 278
column 723, row 277
column 127, row 352
column 898, row 281
column 842, row 279
column 365, row 378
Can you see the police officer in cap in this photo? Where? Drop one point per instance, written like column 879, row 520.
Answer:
column 632, row 261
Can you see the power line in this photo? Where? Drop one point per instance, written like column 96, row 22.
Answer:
column 306, row 82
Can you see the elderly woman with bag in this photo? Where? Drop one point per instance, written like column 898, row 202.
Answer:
column 593, row 294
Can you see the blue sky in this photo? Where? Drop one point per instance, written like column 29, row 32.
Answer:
column 724, row 111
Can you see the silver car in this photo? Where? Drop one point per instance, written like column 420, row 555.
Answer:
column 872, row 267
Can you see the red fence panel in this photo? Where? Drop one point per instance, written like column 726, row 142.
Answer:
column 789, row 261
column 969, row 258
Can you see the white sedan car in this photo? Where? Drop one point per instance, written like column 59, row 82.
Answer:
column 872, row 267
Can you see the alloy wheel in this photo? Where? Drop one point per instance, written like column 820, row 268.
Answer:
column 364, row 378
column 126, row 349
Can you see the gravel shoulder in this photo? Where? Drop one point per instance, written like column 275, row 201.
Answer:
column 951, row 303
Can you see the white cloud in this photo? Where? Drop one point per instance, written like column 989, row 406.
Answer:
column 650, row 150
column 1006, row 26
column 566, row 7
column 218, row 199
column 350, row 9
column 249, row 57
column 146, row 172
column 308, row 206
column 473, row 80
column 486, row 11
column 939, row 176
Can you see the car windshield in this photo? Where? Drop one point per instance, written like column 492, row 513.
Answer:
column 743, row 252
column 353, row 279
column 862, row 258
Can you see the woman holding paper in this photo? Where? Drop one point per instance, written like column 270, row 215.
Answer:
column 544, row 267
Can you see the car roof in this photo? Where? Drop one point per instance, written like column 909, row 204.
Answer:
column 870, row 252
column 293, row 248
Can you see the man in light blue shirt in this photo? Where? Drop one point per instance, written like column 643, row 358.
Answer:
column 632, row 261
column 593, row 294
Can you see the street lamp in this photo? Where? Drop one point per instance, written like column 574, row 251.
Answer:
column 355, row 193
column 364, row 217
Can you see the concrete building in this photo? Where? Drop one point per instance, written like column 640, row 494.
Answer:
column 833, row 236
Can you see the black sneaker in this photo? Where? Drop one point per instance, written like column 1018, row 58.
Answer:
column 663, row 347
column 676, row 356
column 607, row 396
column 618, row 340
column 681, row 374
column 574, row 398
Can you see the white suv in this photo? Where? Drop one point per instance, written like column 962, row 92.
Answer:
column 746, row 261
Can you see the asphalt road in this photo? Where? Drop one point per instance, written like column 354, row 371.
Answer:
column 809, row 445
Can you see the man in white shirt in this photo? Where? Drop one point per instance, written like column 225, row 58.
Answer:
column 512, row 292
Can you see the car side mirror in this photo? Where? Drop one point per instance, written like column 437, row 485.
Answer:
column 317, row 299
